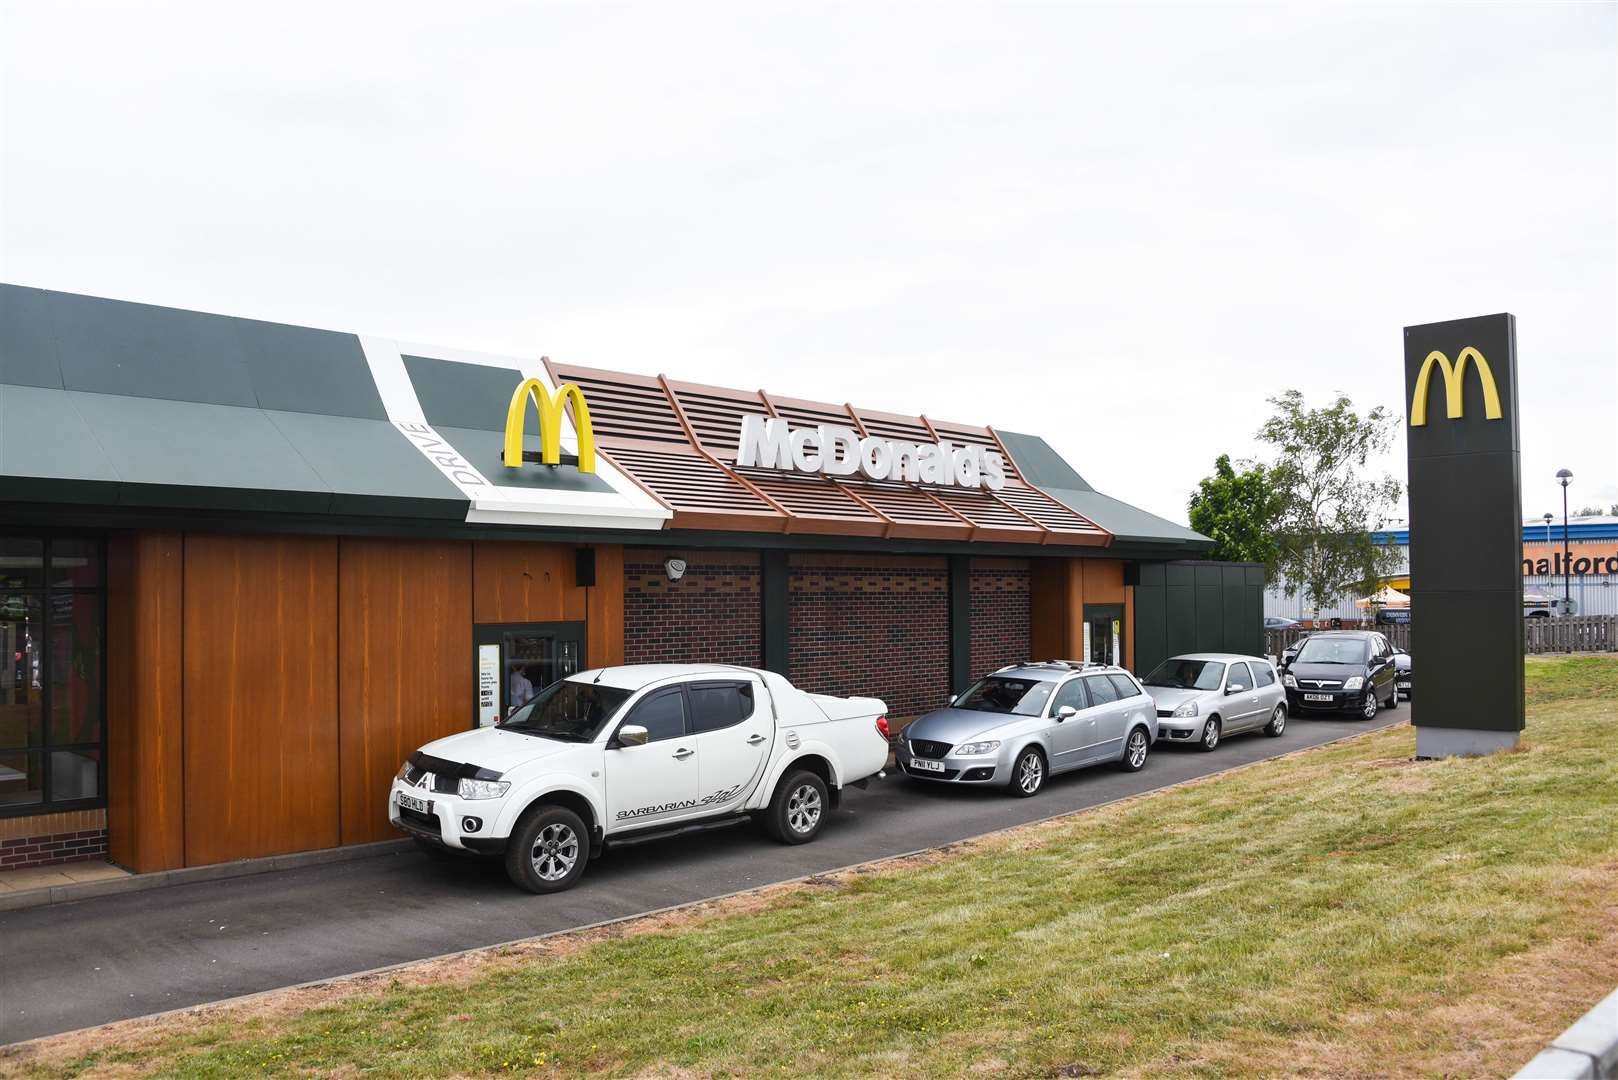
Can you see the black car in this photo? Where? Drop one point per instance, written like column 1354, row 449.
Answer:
column 1342, row 671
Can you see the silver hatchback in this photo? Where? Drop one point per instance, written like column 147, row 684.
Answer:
column 1028, row 721
column 1202, row 697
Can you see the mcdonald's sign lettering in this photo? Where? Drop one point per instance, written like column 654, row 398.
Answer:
column 1454, row 386
column 550, row 424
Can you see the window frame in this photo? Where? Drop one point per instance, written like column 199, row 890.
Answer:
column 1091, row 698
column 47, row 644
column 656, row 691
column 1077, row 682
column 1119, row 681
column 1231, row 666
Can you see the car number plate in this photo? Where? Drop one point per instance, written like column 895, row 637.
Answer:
column 926, row 766
column 1405, row 685
column 1317, row 697
column 410, row 802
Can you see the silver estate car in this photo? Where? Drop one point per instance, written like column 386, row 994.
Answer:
column 1203, row 697
column 1028, row 721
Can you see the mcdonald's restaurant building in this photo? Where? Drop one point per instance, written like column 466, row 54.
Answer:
column 245, row 568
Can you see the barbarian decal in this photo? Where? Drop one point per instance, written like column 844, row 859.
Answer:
column 684, row 804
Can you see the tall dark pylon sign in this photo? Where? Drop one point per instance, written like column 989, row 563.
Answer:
column 1465, row 534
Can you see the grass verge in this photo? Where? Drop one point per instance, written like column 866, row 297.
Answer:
column 1344, row 912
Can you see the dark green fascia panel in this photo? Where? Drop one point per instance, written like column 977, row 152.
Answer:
column 47, row 451
column 27, row 340
column 458, row 395
column 136, row 350
column 1039, row 464
column 299, row 369
column 484, row 449
column 369, row 467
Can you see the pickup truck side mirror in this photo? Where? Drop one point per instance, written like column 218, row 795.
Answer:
column 1064, row 712
column 632, row 735
column 1235, row 688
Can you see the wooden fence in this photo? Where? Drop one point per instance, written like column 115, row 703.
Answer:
column 1573, row 633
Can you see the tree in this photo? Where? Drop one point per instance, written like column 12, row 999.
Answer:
column 1587, row 511
column 1239, row 512
column 1330, row 507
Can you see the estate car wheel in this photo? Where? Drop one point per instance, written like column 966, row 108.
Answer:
column 1210, row 735
column 547, row 850
column 797, row 808
column 1278, row 722
column 1368, row 705
column 1028, row 773
column 1136, row 747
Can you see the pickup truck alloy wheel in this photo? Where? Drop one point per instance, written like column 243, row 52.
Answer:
column 546, row 852
column 797, row 808
column 1278, row 722
column 1028, row 775
column 1368, row 705
column 1210, row 733
column 1135, row 750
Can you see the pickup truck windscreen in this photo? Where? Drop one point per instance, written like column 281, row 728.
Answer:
column 567, row 710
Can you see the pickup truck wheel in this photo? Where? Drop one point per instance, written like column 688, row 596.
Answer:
column 547, row 850
column 797, row 808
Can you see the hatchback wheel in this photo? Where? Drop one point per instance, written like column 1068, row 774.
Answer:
column 1028, row 774
column 1368, row 705
column 1278, row 722
column 1210, row 734
column 1136, row 748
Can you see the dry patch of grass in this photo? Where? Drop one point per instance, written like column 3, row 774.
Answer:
column 1344, row 912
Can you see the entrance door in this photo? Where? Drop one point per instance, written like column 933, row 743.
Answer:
column 515, row 661
column 1104, row 633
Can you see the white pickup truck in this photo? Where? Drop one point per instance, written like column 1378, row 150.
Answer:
column 624, row 754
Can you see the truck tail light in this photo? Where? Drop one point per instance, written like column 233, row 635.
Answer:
column 882, row 727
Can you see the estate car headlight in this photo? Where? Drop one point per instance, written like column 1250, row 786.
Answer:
column 973, row 749
column 1289, row 682
column 1354, row 682
column 1189, row 708
column 482, row 789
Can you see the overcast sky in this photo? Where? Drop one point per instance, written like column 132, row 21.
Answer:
column 1118, row 228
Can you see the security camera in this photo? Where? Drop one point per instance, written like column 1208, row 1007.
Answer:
column 675, row 568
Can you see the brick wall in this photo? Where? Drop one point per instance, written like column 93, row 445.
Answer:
column 711, row 615
column 871, row 625
column 1000, row 614
column 44, row 839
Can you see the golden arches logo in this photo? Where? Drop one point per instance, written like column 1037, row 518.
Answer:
column 550, row 424
column 1454, row 384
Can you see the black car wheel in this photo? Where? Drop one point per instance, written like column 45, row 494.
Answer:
column 1278, row 722
column 1368, row 705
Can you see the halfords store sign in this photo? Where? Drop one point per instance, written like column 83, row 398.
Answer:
column 1583, row 558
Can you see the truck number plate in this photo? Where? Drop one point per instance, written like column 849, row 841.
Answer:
column 926, row 766
column 1317, row 697
column 410, row 802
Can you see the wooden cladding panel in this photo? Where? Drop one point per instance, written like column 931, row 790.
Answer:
column 604, row 603
column 514, row 581
column 145, row 763
column 404, row 633
column 260, row 677
column 1059, row 590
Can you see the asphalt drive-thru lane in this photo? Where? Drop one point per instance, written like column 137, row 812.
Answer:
column 73, row 965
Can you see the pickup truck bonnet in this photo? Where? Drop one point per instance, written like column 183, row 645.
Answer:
column 492, row 748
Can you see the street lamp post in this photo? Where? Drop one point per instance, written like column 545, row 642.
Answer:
column 1566, row 477
column 1547, row 530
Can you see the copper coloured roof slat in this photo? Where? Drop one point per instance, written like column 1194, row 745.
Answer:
column 674, row 403
column 859, row 425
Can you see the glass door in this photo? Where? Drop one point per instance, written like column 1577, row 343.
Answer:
column 1104, row 633
column 514, row 661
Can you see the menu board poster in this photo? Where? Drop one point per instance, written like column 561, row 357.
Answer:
column 488, row 685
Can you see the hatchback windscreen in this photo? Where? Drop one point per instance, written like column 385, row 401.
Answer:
column 1187, row 675
column 1022, row 697
column 567, row 710
column 1321, row 650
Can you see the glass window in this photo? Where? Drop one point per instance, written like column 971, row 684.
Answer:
column 1332, row 650
column 1070, row 693
column 1020, row 697
column 1263, row 673
column 662, row 715
column 719, row 705
column 21, row 782
column 75, row 774
column 1238, row 676
column 1101, row 689
column 1124, row 685
column 75, row 665
column 22, row 562
column 75, row 564
column 1178, row 673
column 569, row 711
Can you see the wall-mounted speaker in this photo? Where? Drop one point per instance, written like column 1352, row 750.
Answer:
column 584, row 567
